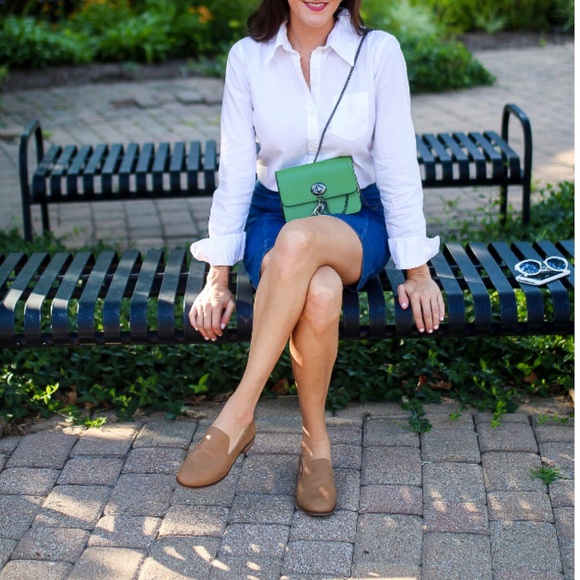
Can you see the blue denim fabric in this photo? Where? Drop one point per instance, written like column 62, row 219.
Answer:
column 266, row 219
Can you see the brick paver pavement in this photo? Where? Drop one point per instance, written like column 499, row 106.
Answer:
column 447, row 504
column 457, row 502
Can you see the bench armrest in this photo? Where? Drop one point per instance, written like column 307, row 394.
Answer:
column 509, row 110
column 32, row 129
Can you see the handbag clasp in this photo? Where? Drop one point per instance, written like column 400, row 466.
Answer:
column 318, row 189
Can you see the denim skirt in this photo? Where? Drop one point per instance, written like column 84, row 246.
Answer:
column 266, row 219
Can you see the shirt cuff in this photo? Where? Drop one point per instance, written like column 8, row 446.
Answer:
column 410, row 253
column 220, row 250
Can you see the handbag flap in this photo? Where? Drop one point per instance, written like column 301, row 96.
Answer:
column 334, row 177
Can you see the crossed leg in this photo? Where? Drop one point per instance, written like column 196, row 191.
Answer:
column 298, row 298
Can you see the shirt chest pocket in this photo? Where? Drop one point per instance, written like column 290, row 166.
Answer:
column 352, row 117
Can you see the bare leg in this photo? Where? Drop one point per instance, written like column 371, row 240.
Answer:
column 313, row 349
column 303, row 247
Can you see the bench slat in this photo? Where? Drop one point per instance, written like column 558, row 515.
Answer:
column 350, row 315
column 510, row 158
column 195, row 283
column 244, row 305
column 61, row 302
column 33, row 306
column 160, row 165
column 142, row 294
column 176, row 266
column 425, row 158
column 193, row 166
column 59, row 171
column 144, row 166
column 127, row 168
column 507, row 299
column 92, row 169
column 18, row 290
column 112, row 304
column 377, row 308
column 474, row 155
column 176, row 167
column 110, row 168
column 459, row 156
column 491, row 155
column 75, row 171
column 42, row 172
column 443, row 157
column 481, row 300
column 453, row 293
column 88, row 300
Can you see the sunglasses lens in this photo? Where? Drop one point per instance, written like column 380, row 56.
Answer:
column 556, row 263
column 529, row 267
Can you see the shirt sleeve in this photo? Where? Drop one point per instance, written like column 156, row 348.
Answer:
column 237, row 169
column 395, row 159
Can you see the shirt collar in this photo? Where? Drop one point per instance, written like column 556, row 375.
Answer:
column 342, row 39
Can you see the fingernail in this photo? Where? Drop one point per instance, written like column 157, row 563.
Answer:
column 430, row 331
column 222, row 326
column 206, row 337
column 436, row 327
column 421, row 330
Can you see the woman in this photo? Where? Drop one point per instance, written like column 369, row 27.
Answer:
column 281, row 85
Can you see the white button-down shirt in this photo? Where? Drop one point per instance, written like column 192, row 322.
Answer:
column 267, row 101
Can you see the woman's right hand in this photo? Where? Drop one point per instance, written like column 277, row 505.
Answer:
column 214, row 306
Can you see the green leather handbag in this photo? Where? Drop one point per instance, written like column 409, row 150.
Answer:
column 321, row 187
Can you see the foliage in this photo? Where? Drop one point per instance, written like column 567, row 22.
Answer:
column 547, row 474
column 25, row 42
column 434, row 63
column 489, row 373
column 155, row 30
column 491, row 16
column 552, row 218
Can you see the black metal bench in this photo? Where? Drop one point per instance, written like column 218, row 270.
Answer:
column 73, row 174
column 87, row 299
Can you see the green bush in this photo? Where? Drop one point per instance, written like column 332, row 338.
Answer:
column 489, row 15
column 434, row 63
column 25, row 42
column 490, row 373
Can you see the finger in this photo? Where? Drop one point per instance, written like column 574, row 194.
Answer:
column 229, row 310
column 441, row 308
column 403, row 296
column 207, row 326
column 418, row 314
column 431, row 314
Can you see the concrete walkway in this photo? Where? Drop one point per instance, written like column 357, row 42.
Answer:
column 458, row 502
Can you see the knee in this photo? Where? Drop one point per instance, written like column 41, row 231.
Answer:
column 292, row 249
column 323, row 301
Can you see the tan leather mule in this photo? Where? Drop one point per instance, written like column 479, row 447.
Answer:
column 316, row 492
column 209, row 461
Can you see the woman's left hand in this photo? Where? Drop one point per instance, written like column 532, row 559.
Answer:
column 423, row 295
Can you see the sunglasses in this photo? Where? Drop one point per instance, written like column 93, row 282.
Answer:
column 535, row 267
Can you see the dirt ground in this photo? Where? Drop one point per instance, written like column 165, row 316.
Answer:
column 110, row 72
